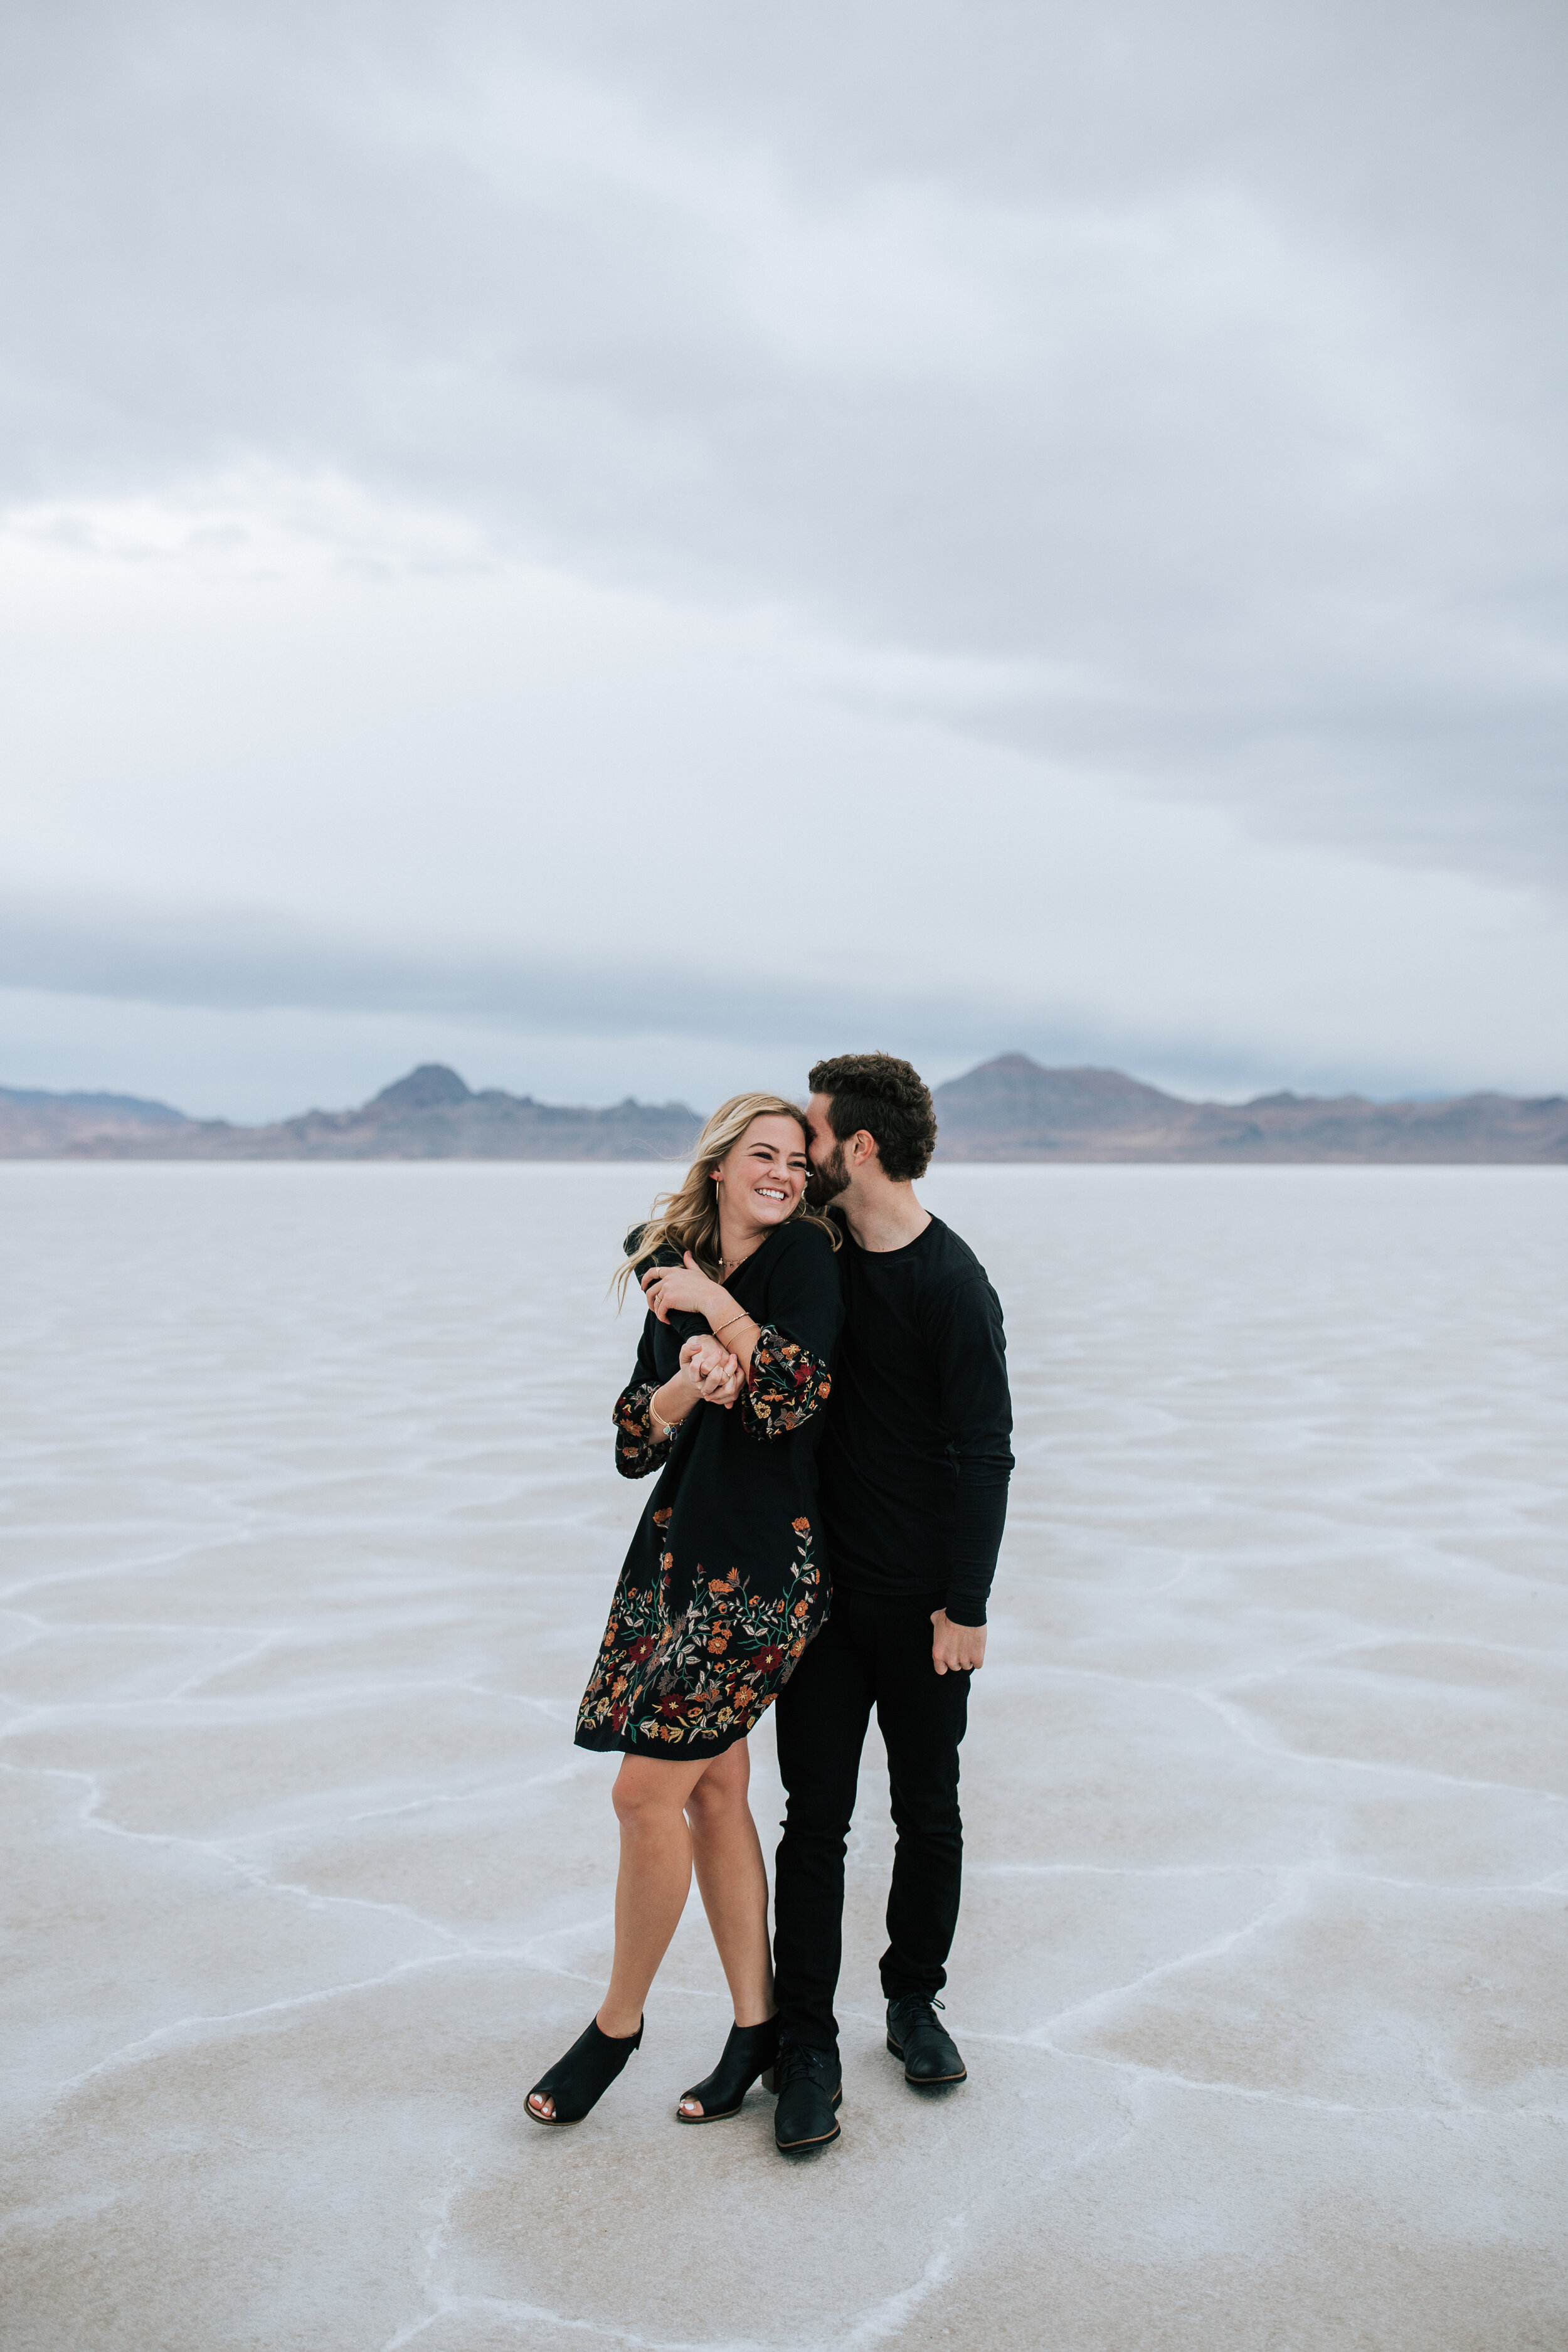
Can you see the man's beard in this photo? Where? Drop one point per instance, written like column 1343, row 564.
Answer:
column 825, row 1182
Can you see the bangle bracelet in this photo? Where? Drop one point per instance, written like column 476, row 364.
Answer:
column 668, row 1427
column 742, row 1317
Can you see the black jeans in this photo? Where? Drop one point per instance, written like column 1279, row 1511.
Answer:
column 872, row 1652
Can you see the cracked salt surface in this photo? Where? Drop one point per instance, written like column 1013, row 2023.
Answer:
column 1261, row 1977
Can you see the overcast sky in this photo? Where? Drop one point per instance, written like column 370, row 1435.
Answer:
column 624, row 546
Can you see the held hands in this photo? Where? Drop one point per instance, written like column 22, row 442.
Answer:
column 716, row 1371
column 955, row 1649
column 685, row 1289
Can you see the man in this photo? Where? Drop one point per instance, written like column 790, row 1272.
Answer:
column 914, row 1467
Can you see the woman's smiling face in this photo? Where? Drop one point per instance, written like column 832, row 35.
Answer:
column 763, row 1175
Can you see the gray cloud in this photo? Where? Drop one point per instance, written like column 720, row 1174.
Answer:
column 243, row 959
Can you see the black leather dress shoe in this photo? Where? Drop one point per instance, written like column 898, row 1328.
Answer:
column 929, row 2051
column 809, row 2090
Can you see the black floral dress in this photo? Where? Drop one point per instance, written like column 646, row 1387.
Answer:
column 725, row 1582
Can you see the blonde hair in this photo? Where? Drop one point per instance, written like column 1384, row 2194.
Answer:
column 687, row 1218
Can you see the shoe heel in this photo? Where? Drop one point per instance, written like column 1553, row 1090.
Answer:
column 771, row 2079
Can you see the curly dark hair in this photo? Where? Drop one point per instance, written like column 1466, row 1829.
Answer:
column 890, row 1099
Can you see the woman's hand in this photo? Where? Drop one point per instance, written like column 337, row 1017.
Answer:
column 685, row 1289
column 718, row 1372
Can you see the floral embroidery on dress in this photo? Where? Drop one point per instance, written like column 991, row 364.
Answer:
column 712, row 1670
column 786, row 1385
column 638, row 1450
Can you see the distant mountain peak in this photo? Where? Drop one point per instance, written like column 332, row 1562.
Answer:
column 425, row 1089
column 1017, row 1098
column 116, row 1109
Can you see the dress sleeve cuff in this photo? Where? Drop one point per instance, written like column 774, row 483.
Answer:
column 637, row 1450
column 787, row 1384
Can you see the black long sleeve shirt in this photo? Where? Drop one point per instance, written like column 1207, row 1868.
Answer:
column 916, row 1454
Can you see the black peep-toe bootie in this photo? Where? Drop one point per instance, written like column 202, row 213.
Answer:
column 751, row 2051
column 578, row 2082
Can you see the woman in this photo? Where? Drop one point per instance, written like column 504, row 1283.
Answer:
column 723, row 1585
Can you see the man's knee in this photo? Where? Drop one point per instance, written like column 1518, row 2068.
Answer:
column 929, row 1816
column 816, row 1818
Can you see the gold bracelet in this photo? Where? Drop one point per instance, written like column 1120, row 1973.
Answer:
column 668, row 1427
column 743, row 1316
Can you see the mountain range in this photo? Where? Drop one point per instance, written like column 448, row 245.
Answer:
column 428, row 1115
column 1011, row 1108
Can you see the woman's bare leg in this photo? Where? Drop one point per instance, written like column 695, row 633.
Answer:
column 651, row 1886
column 733, row 1883
column 653, row 1882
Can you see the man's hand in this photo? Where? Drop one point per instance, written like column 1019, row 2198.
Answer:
column 955, row 1649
